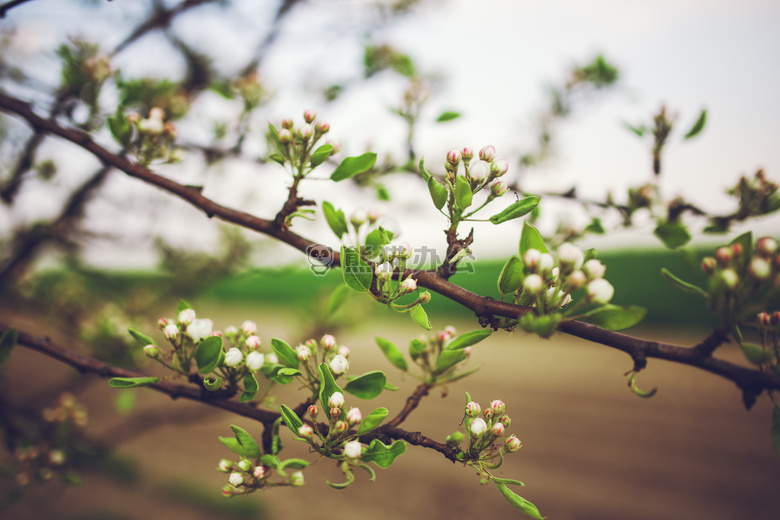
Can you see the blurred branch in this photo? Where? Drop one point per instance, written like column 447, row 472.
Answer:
column 10, row 5
column 751, row 382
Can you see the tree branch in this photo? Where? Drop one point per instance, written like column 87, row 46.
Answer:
column 10, row 5
column 752, row 382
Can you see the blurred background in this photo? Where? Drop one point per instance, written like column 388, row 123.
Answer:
column 561, row 89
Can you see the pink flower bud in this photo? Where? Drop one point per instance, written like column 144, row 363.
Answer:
column 335, row 412
column 285, row 136
column 305, row 431
column 531, row 259
column 737, row 249
column 313, row 410
column 373, row 215
column 498, row 406
column 708, row 265
column 478, row 427
column 161, row 323
column 600, row 291
column 303, row 353
column 513, row 443
column 453, row 157
column 305, row 131
column 171, row 331
column 384, row 270
column 576, row 280
column 309, row 116
column 341, row 427
column 322, row 127
column 328, row 342
column 467, row 154
column 186, row 316
column 488, row 153
column 499, row 188
column 499, row 167
column 225, row 466
column 533, row 284
column 570, row 256
column 287, row 124
column 335, row 145
column 233, row 357
column 409, row 285
column 236, row 479
column 473, row 409
column 253, row 342
column 339, row 365
column 775, row 317
column 763, row 318
column 506, row 421
column 336, row 400
column 488, row 413
column 249, row 327
column 259, row 472
column 424, row 297
column 766, row 246
column 255, row 360
column 467, row 351
column 352, row 449
column 497, row 429
column 724, row 255
column 151, row 351
column 594, row 269
column 343, row 351
column 354, row 416
column 228, row 491
column 478, row 171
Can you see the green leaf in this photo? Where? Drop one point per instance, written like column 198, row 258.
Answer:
column 376, row 240
column 335, row 219
column 508, row 481
column 746, row 241
column 7, row 343
column 595, row 227
column 372, row 420
column 638, row 391
column 531, row 239
column 448, row 359
column 183, row 305
column 511, row 277
column 337, row 298
column 321, row 155
column 615, row 317
column 682, row 285
column 458, row 377
column 246, row 441
column 416, row 348
column 140, row 337
column 328, row 385
column 212, row 384
column 468, row 338
column 357, row 273
column 381, row 192
column 774, row 430
column 381, row 454
column 291, row 419
column 638, row 130
column 672, row 234
column 516, row 210
column 287, row 356
column 209, row 354
column 131, row 382
column 392, row 353
column 698, row 126
column 756, row 354
column 447, row 116
column 277, row 158
column 423, row 171
column 518, row 502
column 463, row 193
column 270, row 461
column 351, row 166
column 250, row 388
column 368, row 385
column 438, row 192
column 276, row 440
column 350, row 478
column 120, row 127
column 420, row 317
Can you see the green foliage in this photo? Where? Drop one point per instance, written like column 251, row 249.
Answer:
column 518, row 209
column 673, row 234
column 419, row 316
column 531, row 239
column 335, row 219
column 132, row 382
column 351, row 166
column 468, row 339
column 392, row 353
column 698, row 126
column 614, row 317
column 381, row 454
column 367, row 386
column 372, row 420
column 357, row 273
column 209, row 354
column 7, row 343
column 511, row 277
column 518, row 502
column 447, row 116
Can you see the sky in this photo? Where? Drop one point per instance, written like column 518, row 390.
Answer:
column 495, row 58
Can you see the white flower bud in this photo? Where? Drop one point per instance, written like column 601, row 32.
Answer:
column 336, row 400
column 303, row 353
column 296, row 479
column 473, row 409
column 577, row 279
column 600, row 291
column 594, row 269
column 352, row 449
column 533, row 284
column 306, row 431
column 497, row 429
column 478, row 427
column 225, row 466
column 570, row 256
column 384, row 270
column 358, row 217
column 151, row 351
column 259, row 472
column 186, row 316
column 249, row 327
column 171, row 331
column 499, row 167
column 546, row 262
column 233, row 357
column 354, row 416
column 236, row 479
column 252, row 342
column 328, row 342
column 343, row 351
column 531, row 259
column 254, row 360
column 339, row 364
column 759, row 268
column 488, row 153
column 200, row 329
column 478, row 171
column 408, row 285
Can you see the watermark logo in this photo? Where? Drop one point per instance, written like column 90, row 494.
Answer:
column 322, row 259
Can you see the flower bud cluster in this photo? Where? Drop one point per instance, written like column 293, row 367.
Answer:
column 426, row 352
column 295, row 145
column 152, row 138
column 480, row 172
column 66, row 410
column 244, row 476
column 486, row 427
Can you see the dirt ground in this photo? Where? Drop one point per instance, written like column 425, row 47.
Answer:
column 591, row 448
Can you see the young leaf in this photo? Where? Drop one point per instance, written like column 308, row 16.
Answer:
column 321, row 155
column 518, row 502
column 424, row 172
column 392, row 353
column 438, row 193
column 614, row 317
column 292, row 420
column 416, row 348
column 638, row 391
column 351, row 166
column 209, row 354
column 335, row 219
column 372, row 420
column 287, row 356
column 447, row 116
column 463, row 193
column 638, row 130
column 367, row 386
column 350, row 478
column 246, row 441
column 183, row 305
column 595, row 227
column 420, row 317
column 328, row 386
column 357, row 273
column 673, row 235
column 516, row 210
column 469, row 338
column 381, row 454
column 381, row 192
column 120, row 127
column 131, row 382
column 276, row 440
column 336, row 299
column 746, row 241
column 447, row 359
column 698, row 126
column 212, row 384
column 511, row 277
column 233, row 445
column 531, row 239
column 7, row 343
column 140, row 337
column 682, row 285
column 376, row 240
column 774, row 430
column 756, row 354
column 250, row 388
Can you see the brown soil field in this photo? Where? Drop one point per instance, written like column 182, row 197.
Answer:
column 591, row 448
